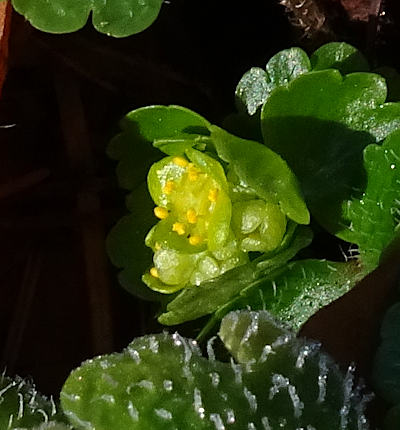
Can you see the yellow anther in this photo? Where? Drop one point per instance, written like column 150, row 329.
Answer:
column 157, row 246
column 191, row 216
column 195, row 240
column 193, row 172
column 180, row 161
column 160, row 212
column 168, row 187
column 179, row 227
column 213, row 194
column 154, row 272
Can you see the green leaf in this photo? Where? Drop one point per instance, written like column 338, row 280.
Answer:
column 162, row 382
column 262, row 170
column 51, row 426
column 253, row 89
column 256, row 85
column 287, row 65
column 125, row 244
column 300, row 290
column 341, row 56
column 208, row 297
column 320, row 124
column 22, row 406
column 118, row 18
column 162, row 122
column 376, row 216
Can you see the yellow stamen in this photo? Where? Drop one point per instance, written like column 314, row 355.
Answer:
column 160, row 212
column 179, row 227
column 168, row 187
column 157, row 246
column 213, row 194
column 154, row 272
column 195, row 240
column 191, row 216
column 180, row 161
column 193, row 172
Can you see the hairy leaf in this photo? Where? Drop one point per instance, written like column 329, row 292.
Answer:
column 163, row 382
column 209, row 296
column 375, row 217
column 21, row 406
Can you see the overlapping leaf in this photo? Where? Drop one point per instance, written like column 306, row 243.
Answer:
column 320, row 124
column 256, row 85
column 118, row 18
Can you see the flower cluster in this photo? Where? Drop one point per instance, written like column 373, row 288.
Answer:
column 208, row 221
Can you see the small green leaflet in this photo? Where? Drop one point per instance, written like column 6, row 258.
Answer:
column 118, row 18
column 256, row 84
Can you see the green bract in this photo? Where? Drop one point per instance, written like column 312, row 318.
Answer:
column 118, row 18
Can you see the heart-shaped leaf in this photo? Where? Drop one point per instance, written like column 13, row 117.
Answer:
column 118, row 18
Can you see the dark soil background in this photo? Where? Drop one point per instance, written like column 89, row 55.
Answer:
column 60, row 301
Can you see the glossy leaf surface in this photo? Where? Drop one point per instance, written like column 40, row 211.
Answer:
column 340, row 56
column 262, row 170
column 320, row 125
column 118, row 18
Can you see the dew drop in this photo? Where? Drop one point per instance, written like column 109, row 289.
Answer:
column 230, row 416
column 168, row 385
column 214, row 379
column 198, row 403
